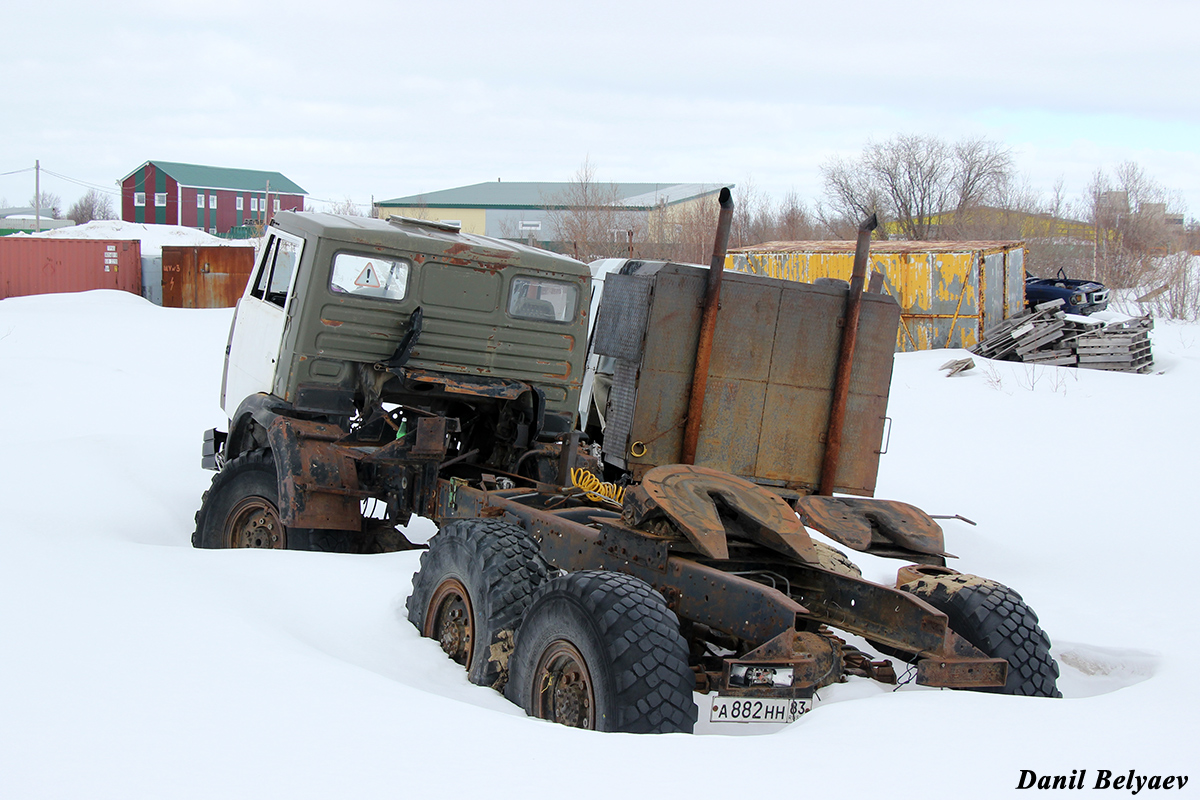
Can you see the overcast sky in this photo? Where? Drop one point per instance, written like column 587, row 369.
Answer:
column 358, row 100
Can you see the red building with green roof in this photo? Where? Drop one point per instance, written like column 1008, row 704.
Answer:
column 214, row 199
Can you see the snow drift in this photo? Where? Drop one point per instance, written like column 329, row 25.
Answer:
column 137, row 667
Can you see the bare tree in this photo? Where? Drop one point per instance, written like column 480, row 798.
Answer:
column 793, row 223
column 692, row 231
column 916, row 183
column 92, row 206
column 748, row 208
column 1174, row 283
column 587, row 217
column 346, row 207
column 50, row 205
column 1134, row 220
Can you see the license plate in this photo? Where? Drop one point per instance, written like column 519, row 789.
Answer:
column 754, row 709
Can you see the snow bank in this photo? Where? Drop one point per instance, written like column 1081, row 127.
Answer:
column 153, row 237
column 138, row 667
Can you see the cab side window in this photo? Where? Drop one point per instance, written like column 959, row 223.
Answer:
column 275, row 273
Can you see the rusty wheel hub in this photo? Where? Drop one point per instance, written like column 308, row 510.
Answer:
column 254, row 522
column 451, row 621
column 564, row 687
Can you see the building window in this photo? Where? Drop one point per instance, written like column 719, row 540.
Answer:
column 276, row 203
column 254, row 204
column 200, row 200
column 139, row 199
column 238, row 202
column 160, row 199
column 212, row 201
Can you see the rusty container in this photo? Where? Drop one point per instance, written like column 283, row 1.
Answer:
column 769, row 392
column 949, row 292
column 35, row 265
column 205, row 277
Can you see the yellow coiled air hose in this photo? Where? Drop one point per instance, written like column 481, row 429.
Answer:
column 595, row 489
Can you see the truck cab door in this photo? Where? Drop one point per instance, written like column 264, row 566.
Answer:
column 260, row 320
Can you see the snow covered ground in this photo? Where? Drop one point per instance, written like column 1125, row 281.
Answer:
column 137, row 667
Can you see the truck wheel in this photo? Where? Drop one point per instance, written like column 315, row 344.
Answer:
column 241, row 508
column 475, row 582
column 996, row 620
column 601, row 650
column 835, row 560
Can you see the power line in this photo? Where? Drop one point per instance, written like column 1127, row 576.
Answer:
column 332, row 202
column 68, row 178
column 84, row 184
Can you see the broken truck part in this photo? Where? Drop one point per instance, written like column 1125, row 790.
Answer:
column 380, row 369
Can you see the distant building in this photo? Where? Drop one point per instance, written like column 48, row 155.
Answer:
column 526, row 210
column 28, row 220
column 217, row 200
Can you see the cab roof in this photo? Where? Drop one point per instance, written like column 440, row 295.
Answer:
column 429, row 238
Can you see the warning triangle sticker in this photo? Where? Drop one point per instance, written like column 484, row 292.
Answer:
column 368, row 278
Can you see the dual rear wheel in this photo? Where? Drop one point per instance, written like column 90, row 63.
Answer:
column 595, row 650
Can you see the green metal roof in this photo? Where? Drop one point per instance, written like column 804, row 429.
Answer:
column 540, row 194
column 246, row 180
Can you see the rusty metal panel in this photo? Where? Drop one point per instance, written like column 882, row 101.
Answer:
column 993, row 277
column 948, row 291
column 34, row 265
column 1014, row 282
column 205, row 277
column 769, row 391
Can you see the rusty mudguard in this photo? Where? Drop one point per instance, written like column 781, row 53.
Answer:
column 880, row 527
column 321, row 471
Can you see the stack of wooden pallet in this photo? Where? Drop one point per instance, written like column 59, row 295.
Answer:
column 1121, row 346
column 1047, row 336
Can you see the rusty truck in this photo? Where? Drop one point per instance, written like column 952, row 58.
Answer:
column 624, row 497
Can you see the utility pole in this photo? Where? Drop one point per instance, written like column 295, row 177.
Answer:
column 37, row 195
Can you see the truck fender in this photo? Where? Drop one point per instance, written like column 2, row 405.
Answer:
column 249, row 425
column 881, row 527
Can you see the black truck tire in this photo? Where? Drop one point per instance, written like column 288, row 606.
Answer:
column 835, row 560
column 996, row 620
column 601, row 650
column 241, row 509
column 475, row 582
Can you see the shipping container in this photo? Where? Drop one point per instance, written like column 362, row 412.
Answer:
column 152, row 278
column 33, row 265
column 205, row 277
column 949, row 292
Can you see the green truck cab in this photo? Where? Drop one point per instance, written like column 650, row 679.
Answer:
column 343, row 314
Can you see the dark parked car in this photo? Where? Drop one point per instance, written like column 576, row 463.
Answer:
column 1078, row 296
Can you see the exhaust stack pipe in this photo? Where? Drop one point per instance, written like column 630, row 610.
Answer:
column 841, row 385
column 708, row 325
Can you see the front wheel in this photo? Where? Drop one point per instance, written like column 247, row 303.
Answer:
column 995, row 619
column 241, row 509
column 601, row 650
